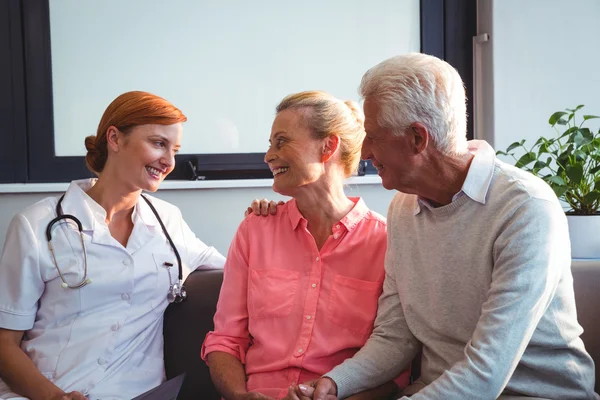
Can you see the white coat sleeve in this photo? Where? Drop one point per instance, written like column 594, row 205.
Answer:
column 21, row 283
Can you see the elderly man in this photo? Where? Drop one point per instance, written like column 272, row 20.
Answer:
column 478, row 258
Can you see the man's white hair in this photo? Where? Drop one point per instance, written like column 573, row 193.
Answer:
column 417, row 87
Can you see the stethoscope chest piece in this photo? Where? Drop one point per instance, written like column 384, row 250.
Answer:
column 176, row 293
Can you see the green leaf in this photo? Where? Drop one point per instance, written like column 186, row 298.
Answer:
column 514, row 146
column 559, row 190
column 527, row 158
column 586, row 117
column 569, row 131
column 575, row 173
column 501, row 153
column 539, row 165
column 556, row 180
column 595, row 169
column 561, row 121
column 581, row 156
column 591, row 197
column 579, row 107
column 555, row 117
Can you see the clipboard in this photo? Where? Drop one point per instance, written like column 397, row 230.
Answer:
column 167, row 391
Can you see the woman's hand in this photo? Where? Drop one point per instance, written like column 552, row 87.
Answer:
column 294, row 393
column 263, row 207
column 305, row 391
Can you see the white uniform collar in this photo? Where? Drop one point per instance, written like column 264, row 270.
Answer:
column 77, row 203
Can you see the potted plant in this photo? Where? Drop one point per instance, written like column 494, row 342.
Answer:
column 570, row 164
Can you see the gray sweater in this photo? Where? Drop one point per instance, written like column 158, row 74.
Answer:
column 484, row 285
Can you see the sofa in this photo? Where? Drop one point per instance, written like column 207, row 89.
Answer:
column 187, row 323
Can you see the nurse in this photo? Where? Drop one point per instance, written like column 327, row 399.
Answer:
column 84, row 316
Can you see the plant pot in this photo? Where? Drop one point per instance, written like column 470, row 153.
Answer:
column 584, row 231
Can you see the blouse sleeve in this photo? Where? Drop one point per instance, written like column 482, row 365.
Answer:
column 231, row 319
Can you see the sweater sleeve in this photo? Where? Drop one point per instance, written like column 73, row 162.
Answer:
column 391, row 347
column 530, row 255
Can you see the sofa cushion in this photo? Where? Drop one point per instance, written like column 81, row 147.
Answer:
column 586, row 282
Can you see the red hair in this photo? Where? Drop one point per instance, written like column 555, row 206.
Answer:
column 126, row 112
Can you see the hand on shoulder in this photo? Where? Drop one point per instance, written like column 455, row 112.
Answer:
column 263, row 207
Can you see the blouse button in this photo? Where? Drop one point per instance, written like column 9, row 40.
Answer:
column 126, row 261
column 314, row 285
column 125, row 296
column 115, row 327
column 318, row 258
column 102, row 361
column 337, row 226
column 300, row 350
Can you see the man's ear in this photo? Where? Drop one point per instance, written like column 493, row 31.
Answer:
column 420, row 137
column 332, row 143
column 113, row 139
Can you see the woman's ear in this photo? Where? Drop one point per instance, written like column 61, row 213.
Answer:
column 332, row 143
column 113, row 140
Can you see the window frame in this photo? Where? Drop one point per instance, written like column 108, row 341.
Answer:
column 447, row 28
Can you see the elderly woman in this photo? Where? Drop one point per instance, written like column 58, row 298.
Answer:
column 301, row 287
column 86, row 277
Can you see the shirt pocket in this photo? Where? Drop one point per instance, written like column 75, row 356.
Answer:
column 353, row 303
column 272, row 292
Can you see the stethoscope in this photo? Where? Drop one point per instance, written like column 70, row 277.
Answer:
column 177, row 292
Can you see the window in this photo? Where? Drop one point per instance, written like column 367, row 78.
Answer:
column 54, row 101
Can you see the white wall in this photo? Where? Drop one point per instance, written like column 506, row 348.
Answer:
column 542, row 56
column 213, row 214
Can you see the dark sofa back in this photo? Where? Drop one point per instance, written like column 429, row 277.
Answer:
column 185, row 326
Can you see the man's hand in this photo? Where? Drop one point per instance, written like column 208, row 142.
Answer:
column 263, row 207
column 324, row 389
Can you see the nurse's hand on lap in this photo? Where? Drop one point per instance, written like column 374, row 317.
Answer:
column 263, row 207
column 69, row 396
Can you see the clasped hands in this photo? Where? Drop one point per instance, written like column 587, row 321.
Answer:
column 319, row 389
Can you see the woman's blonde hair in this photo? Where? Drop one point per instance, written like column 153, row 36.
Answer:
column 326, row 115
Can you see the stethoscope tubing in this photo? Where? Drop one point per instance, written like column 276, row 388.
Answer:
column 179, row 294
